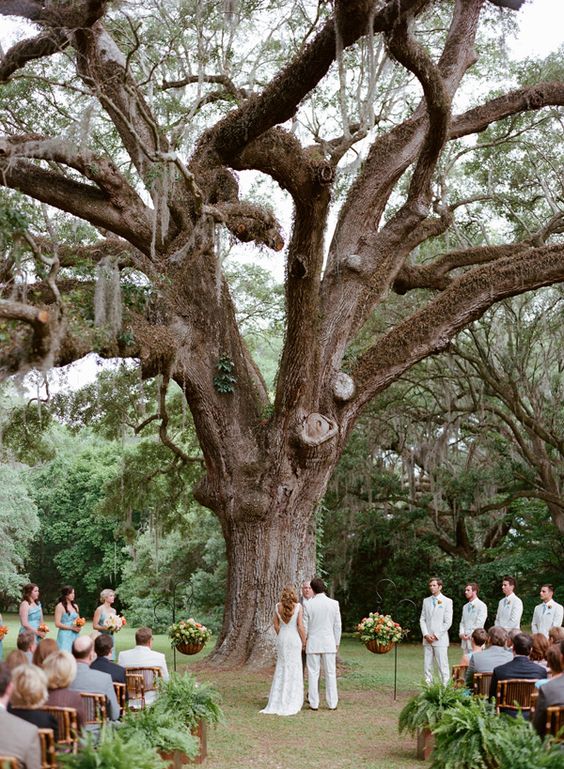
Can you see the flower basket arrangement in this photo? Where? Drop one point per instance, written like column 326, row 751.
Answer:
column 188, row 636
column 114, row 623
column 3, row 631
column 379, row 632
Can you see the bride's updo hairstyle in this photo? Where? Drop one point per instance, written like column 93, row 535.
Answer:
column 288, row 600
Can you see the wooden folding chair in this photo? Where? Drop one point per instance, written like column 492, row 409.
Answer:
column 67, row 723
column 120, row 690
column 150, row 677
column 135, row 686
column 481, row 684
column 9, row 762
column 95, row 706
column 555, row 722
column 458, row 675
column 47, row 742
column 515, row 694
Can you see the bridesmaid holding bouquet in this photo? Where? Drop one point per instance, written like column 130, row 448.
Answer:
column 105, row 610
column 67, row 619
column 31, row 613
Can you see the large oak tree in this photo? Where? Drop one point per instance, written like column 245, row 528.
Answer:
column 118, row 149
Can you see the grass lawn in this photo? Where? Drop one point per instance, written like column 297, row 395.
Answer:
column 362, row 732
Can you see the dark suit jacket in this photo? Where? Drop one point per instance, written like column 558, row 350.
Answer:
column 105, row 666
column 519, row 667
column 36, row 717
column 551, row 693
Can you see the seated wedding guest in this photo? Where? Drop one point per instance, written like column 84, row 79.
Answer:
column 478, row 640
column 44, row 648
column 552, row 693
column 143, row 655
column 27, row 643
column 16, row 658
column 18, row 738
column 495, row 654
column 520, row 666
column 60, row 669
column 87, row 680
column 29, row 693
column 539, row 649
column 555, row 661
column 556, row 634
column 103, row 646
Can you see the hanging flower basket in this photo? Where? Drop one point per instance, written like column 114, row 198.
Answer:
column 379, row 648
column 379, row 632
column 190, row 648
column 188, row 636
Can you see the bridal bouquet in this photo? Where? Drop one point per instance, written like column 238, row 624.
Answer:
column 79, row 622
column 3, row 631
column 43, row 628
column 380, row 628
column 114, row 623
column 188, row 631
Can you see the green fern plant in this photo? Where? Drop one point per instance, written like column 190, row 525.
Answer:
column 112, row 751
column 189, row 700
column 165, row 732
column 469, row 736
column 520, row 747
column 426, row 709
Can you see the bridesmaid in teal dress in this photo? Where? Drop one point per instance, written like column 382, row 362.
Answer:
column 66, row 613
column 107, row 598
column 31, row 613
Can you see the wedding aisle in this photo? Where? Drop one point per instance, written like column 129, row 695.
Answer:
column 362, row 732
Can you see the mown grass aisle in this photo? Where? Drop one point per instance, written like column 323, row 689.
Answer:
column 362, row 732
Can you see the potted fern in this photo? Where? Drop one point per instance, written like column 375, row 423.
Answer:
column 474, row 736
column 164, row 732
column 111, row 751
column 197, row 705
column 424, row 712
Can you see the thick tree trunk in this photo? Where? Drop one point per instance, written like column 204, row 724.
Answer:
column 273, row 548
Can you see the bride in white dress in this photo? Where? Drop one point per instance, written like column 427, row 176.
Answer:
column 287, row 691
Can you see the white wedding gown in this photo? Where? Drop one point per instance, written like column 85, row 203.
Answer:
column 287, row 691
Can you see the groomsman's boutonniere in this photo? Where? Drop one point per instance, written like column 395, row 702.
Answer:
column 439, row 602
column 549, row 606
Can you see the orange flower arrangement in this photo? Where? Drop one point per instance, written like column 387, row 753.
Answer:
column 43, row 628
column 79, row 622
column 3, row 631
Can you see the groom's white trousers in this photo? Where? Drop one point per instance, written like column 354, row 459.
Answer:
column 314, row 662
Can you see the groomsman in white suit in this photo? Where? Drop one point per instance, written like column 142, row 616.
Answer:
column 474, row 615
column 510, row 608
column 548, row 613
column 435, row 621
column 322, row 622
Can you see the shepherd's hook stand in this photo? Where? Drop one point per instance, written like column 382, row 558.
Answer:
column 171, row 605
column 379, row 606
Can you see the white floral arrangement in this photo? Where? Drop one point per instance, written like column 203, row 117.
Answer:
column 114, row 623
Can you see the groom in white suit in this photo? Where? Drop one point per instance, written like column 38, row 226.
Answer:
column 435, row 621
column 322, row 622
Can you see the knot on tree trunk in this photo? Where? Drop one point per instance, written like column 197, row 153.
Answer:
column 314, row 434
column 343, row 387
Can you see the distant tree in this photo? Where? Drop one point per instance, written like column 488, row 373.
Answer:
column 18, row 524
